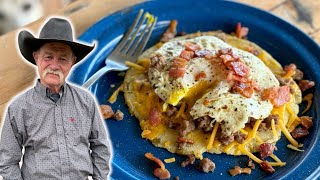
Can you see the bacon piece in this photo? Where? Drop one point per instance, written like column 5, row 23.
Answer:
column 154, row 116
column 202, row 53
column 200, row 76
column 245, row 89
column 186, row 54
column 161, row 172
column 119, row 115
column 178, row 67
column 184, row 140
column 206, row 165
column 251, row 164
column 191, row 46
column 170, row 32
column 266, row 149
column 266, row 167
column 306, row 121
column 240, row 68
column 238, row 170
column 278, row 96
column 282, row 97
column 270, row 93
column 299, row 132
column 226, row 58
column 240, row 31
column 305, row 84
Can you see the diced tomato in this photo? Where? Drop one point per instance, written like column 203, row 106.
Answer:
column 240, row 31
column 186, row 54
column 154, row 116
column 200, row 75
column 191, row 46
column 240, row 68
column 283, row 96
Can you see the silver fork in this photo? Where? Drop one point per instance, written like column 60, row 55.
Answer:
column 129, row 48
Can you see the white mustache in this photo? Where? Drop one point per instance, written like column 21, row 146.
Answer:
column 51, row 71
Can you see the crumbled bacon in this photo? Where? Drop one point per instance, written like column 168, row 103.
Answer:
column 161, row 172
column 266, row 166
column 186, row 54
column 278, row 95
column 305, row 84
column 238, row 170
column 299, row 132
column 178, row 67
column 266, row 149
column 200, row 76
column 245, row 89
column 306, row 121
column 240, row 31
column 202, row 53
column 170, row 32
column 191, row 46
column 240, row 68
column 154, row 116
column 184, row 140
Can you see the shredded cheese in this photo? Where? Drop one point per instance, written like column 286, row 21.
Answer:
column 170, row 160
column 164, row 107
column 114, row 95
column 293, row 116
column 134, row 65
column 253, row 157
column 244, row 131
column 273, row 127
column 307, row 98
column 145, row 133
column 255, row 128
column 181, row 110
column 259, row 139
column 277, row 163
column 213, row 135
column 290, row 146
column 229, row 146
column 273, row 156
column 216, row 144
column 287, row 134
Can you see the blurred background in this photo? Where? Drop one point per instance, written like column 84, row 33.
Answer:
column 18, row 13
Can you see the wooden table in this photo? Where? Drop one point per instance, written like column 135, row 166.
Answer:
column 17, row 75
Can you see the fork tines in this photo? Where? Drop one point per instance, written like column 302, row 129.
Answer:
column 137, row 36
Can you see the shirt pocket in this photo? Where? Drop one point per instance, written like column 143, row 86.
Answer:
column 73, row 129
column 76, row 132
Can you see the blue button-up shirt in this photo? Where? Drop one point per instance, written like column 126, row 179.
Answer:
column 66, row 139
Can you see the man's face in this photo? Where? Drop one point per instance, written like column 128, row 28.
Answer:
column 54, row 61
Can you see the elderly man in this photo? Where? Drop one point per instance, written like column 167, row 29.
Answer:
column 58, row 124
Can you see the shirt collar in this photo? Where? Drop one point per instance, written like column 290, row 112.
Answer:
column 45, row 92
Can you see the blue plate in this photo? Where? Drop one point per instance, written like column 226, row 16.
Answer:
column 286, row 43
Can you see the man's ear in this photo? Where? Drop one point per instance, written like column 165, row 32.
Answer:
column 35, row 56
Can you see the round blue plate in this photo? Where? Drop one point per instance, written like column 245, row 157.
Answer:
column 286, row 43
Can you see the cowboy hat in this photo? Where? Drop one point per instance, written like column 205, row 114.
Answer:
column 55, row 30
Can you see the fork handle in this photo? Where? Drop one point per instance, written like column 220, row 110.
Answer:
column 96, row 76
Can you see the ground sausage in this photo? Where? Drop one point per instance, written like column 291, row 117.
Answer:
column 189, row 160
column 186, row 127
column 206, row 165
column 106, row 111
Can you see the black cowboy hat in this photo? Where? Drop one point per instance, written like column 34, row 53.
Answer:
column 55, row 30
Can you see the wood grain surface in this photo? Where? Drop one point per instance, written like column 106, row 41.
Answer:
column 16, row 75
